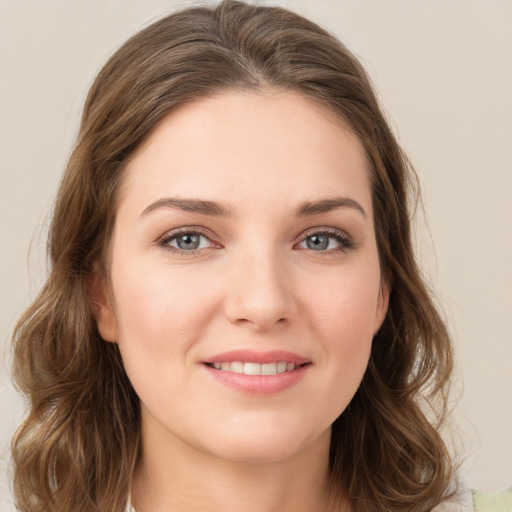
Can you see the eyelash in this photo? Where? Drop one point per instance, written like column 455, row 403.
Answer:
column 169, row 237
column 345, row 241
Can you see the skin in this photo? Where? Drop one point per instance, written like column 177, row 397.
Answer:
column 254, row 282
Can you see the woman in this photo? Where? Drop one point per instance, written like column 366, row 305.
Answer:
column 234, row 319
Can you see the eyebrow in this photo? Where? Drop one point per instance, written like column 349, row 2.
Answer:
column 308, row 208
column 203, row 207
column 190, row 205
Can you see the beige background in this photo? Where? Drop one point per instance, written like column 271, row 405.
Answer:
column 443, row 69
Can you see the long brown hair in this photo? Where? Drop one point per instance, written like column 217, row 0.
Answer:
column 77, row 447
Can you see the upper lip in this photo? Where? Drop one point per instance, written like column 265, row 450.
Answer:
column 254, row 356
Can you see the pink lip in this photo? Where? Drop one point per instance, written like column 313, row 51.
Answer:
column 252, row 356
column 258, row 384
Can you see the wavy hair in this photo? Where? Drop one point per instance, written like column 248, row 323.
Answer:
column 78, row 445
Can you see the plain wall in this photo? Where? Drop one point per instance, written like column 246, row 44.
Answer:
column 443, row 70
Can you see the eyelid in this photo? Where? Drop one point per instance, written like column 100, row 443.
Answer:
column 343, row 238
column 346, row 241
column 172, row 234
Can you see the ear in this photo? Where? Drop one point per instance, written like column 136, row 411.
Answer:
column 101, row 307
column 382, row 305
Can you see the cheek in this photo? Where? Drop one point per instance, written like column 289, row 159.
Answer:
column 156, row 308
column 159, row 319
column 345, row 307
column 340, row 313
column 343, row 314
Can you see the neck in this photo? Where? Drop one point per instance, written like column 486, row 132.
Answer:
column 172, row 475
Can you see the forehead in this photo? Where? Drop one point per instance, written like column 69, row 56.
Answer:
column 243, row 145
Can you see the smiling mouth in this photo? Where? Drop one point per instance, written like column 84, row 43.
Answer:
column 256, row 368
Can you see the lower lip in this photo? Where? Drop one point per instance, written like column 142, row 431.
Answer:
column 259, row 384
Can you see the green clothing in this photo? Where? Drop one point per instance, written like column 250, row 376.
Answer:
column 494, row 501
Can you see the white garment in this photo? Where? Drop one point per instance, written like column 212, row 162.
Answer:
column 129, row 506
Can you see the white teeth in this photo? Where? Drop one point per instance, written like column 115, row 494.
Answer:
column 255, row 368
column 252, row 369
column 237, row 367
column 269, row 369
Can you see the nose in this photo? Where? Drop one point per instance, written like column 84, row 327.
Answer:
column 260, row 292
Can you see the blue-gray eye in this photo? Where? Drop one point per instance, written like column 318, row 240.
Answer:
column 318, row 242
column 188, row 241
column 326, row 241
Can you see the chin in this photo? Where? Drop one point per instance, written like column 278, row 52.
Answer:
column 256, row 452
column 267, row 445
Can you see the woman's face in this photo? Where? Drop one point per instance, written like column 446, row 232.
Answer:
column 245, row 286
